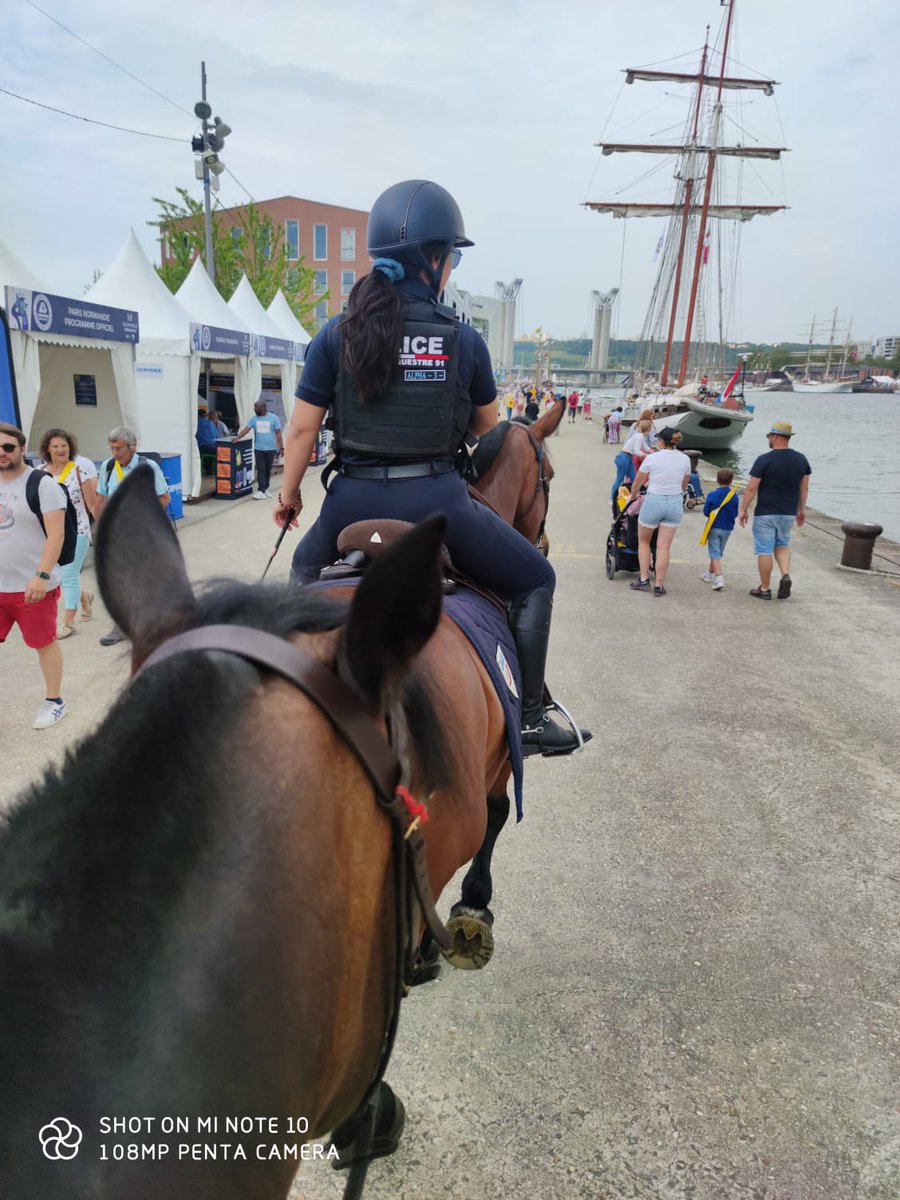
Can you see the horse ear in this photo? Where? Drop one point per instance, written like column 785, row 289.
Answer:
column 139, row 565
column 549, row 422
column 395, row 611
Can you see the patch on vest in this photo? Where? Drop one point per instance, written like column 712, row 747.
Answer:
column 506, row 672
column 423, row 354
column 426, row 376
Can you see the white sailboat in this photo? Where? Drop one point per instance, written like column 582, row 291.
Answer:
column 826, row 385
column 688, row 292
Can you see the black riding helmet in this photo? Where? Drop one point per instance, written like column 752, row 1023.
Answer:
column 413, row 214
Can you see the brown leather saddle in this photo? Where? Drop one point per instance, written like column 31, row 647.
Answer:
column 361, row 543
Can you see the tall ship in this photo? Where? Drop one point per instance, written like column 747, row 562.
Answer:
column 687, row 373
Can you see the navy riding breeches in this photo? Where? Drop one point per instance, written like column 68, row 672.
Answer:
column 481, row 544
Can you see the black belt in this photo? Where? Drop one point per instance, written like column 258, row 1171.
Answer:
column 401, row 471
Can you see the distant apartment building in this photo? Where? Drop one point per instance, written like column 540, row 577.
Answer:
column 329, row 238
column 886, row 347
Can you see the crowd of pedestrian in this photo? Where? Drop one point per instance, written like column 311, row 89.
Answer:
column 657, row 474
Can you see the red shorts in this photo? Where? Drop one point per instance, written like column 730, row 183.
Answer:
column 37, row 621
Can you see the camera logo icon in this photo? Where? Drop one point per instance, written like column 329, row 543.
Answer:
column 60, row 1139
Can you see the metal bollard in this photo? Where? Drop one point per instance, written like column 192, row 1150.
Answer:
column 859, row 543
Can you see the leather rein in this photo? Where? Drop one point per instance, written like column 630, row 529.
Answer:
column 542, row 482
column 388, row 772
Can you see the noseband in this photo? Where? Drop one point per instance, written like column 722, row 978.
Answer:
column 388, row 772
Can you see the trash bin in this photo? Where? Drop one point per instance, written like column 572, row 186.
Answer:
column 171, row 469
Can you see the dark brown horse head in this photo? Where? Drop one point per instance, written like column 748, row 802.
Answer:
column 198, row 913
column 514, row 472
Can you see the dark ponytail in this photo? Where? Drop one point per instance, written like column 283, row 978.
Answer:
column 371, row 333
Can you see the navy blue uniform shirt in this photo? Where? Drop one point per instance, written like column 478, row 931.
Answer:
column 318, row 381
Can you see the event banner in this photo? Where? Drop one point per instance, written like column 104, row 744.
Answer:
column 39, row 312
column 209, row 338
column 274, row 348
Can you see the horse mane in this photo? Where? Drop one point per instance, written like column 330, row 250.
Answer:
column 489, row 447
column 119, row 824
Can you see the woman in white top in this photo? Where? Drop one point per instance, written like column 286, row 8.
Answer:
column 637, row 444
column 665, row 474
column 78, row 475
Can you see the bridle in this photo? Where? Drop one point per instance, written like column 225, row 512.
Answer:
column 542, row 483
column 388, row 770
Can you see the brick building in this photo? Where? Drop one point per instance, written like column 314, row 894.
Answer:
column 329, row 238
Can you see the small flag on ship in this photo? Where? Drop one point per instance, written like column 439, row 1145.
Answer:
column 659, row 246
column 706, row 249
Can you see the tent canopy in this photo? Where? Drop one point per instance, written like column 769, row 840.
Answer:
column 131, row 281
column 280, row 312
column 199, row 296
column 14, row 273
column 246, row 304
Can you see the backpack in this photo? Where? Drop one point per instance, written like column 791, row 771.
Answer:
column 70, row 524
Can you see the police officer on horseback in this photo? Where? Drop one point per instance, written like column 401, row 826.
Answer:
column 406, row 382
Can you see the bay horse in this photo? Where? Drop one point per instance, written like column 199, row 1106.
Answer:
column 198, row 910
column 514, row 472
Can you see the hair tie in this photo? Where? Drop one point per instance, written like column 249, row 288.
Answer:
column 394, row 270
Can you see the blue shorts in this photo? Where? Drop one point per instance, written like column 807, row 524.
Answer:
column 661, row 510
column 716, row 541
column 770, row 532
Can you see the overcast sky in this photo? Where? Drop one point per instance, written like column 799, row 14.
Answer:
column 501, row 101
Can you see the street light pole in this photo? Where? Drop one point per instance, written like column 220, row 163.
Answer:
column 207, row 204
column 208, row 166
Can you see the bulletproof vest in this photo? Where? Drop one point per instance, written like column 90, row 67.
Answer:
column 425, row 411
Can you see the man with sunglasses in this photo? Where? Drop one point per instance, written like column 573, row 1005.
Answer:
column 29, row 570
column 779, row 482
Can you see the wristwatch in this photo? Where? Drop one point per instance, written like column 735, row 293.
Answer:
column 42, row 575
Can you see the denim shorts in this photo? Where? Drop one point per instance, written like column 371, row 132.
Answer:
column 770, row 532
column 661, row 510
column 716, row 541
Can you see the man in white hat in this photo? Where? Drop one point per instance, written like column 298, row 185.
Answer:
column 779, row 481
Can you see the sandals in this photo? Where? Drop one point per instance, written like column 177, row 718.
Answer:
column 659, row 591
column 640, row 585
column 761, row 593
column 65, row 630
column 87, row 603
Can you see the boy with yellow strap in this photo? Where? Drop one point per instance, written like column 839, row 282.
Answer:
column 721, row 510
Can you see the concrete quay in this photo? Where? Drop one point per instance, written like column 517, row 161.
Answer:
column 694, row 991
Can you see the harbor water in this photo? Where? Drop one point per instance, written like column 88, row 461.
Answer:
column 852, row 442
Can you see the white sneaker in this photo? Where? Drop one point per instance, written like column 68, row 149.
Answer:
column 49, row 714
column 267, row 494
column 259, row 495
column 718, row 583
column 707, row 577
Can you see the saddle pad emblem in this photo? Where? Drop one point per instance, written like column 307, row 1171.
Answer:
column 506, row 672
column 376, row 537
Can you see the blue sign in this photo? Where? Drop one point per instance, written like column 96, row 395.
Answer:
column 9, row 404
column 274, row 348
column 39, row 312
column 209, row 338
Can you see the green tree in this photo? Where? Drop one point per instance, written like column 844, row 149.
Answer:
column 257, row 247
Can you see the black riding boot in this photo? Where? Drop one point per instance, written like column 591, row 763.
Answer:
column 530, row 623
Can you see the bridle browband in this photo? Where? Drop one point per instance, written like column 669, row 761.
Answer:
column 387, row 772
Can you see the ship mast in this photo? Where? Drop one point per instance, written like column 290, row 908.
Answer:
column 704, row 215
column 685, row 219
column 686, row 209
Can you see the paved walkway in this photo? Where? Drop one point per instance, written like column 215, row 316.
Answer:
column 694, row 992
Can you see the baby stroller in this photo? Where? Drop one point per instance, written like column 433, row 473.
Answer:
column 693, row 493
column 622, row 543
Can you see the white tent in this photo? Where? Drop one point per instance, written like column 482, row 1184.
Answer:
column 280, row 312
column 216, row 328
column 166, row 373
column 83, row 384
column 270, row 344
